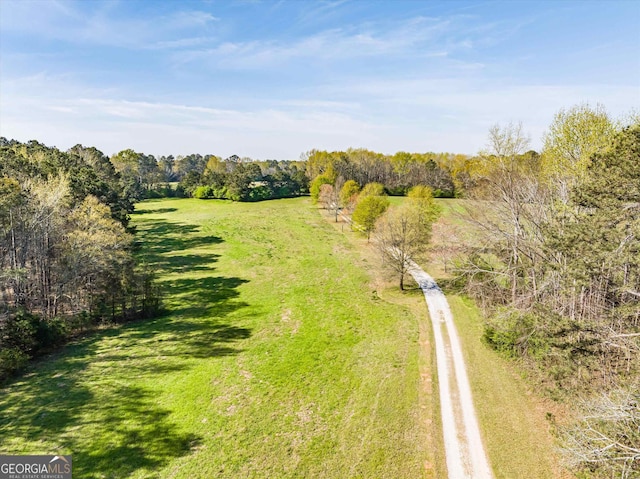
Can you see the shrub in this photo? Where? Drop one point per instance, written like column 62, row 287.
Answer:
column 11, row 361
column 438, row 193
column 152, row 194
column 372, row 189
column 260, row 193
column 516, row 333
column 19, row 332
column 204, row 192
column 30, row 333
column 180, row 192
column 397, row 190
column 50, row 333
column 222, row 192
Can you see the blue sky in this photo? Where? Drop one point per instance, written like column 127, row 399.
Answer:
column 275, row 79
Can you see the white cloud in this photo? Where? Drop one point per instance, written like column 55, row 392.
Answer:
column 93, row 23
column 422, row 119
column 189, row 19
column 420, row 37
column 159, row 128
column 181, row 43
column 411, row 84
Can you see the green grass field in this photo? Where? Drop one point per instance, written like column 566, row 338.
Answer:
column 275, row 359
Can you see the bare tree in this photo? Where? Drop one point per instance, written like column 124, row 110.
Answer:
column 402, row 235
column 514, row 204
column 606, row 441
column 334, row 203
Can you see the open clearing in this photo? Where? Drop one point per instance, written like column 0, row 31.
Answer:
column 275, row 359
column 279, row 356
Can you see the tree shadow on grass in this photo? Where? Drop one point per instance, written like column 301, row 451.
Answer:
column 89, row 400
column 148, row 441
column 162, row 245
column 158, row 211
column 212, row 296
column 91, row 404
column 94, row 398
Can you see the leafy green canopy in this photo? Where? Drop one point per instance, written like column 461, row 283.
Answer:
column 348, row 193
column 368, row 210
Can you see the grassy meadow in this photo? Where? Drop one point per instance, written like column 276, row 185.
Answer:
column 282, row 353
column 276, row 357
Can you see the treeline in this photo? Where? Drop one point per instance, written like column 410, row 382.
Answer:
column 65, row 248
column 445, row 173
column 244, row 179
column 558, row 271
column 209, row 176
column 145, row 176
column 247, row 180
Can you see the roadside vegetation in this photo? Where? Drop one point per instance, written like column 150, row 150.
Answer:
column 514, row 418
column 560, row 278
column 548, row 243
column 555, row 265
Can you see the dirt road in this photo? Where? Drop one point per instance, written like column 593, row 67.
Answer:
column 465, row 454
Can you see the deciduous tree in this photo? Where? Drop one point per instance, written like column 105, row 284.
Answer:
column 349, row 194
column 574, row 136
column 367, row 211
column 403, row 233
column 316, row 184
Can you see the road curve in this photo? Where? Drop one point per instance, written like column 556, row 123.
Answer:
column 464, row 451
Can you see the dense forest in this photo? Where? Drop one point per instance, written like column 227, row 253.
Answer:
column 65, row 248
column 557, row 268
column 398, row 173
column 247, row 180
column 244, row 179
column 209, row 176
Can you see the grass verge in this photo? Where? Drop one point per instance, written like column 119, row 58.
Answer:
column 513, row 418
column 516, row 432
